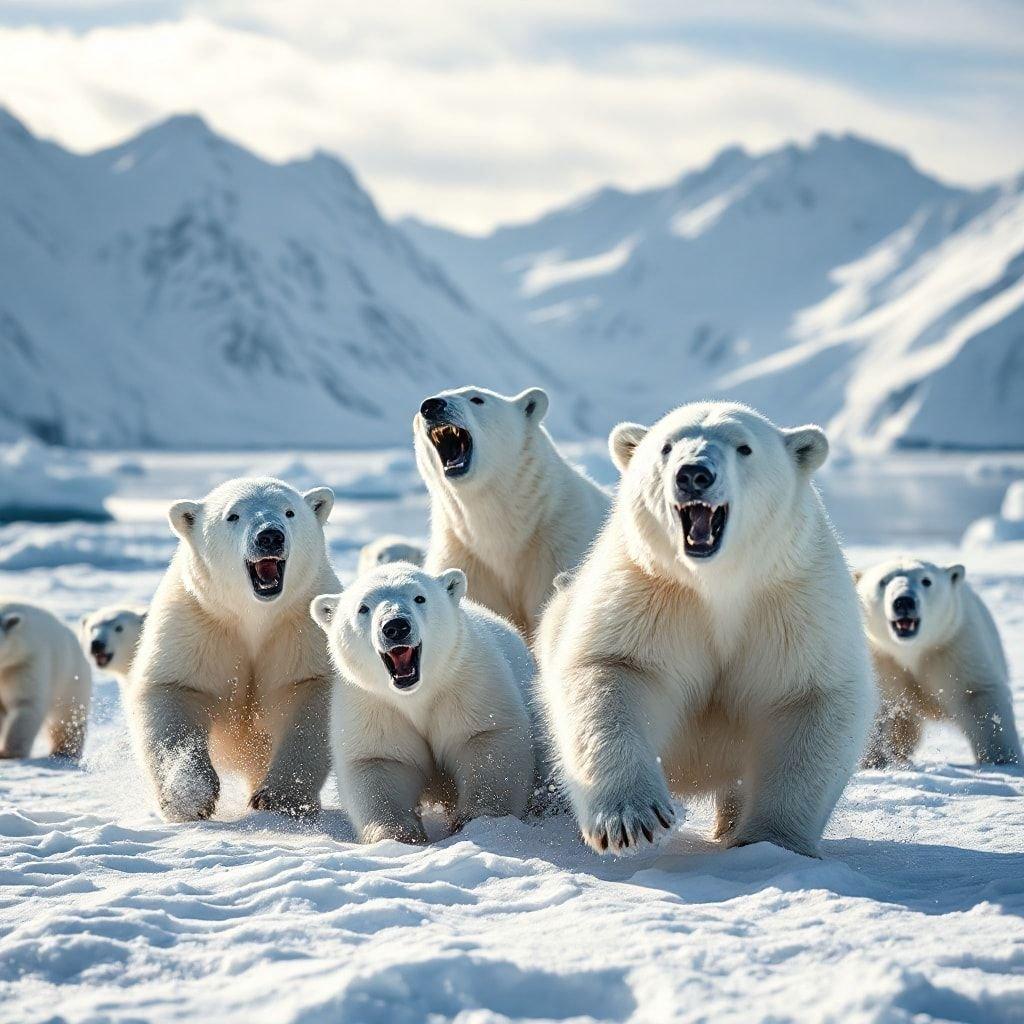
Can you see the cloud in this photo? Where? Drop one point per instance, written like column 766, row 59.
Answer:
column 471, row 118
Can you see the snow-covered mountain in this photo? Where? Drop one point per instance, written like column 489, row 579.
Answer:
column 833, row 282
column 177, row 290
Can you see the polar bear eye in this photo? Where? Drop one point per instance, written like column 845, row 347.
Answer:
column 290, row 514
column 363, row 609
column 745, row 450
column 666, row 448
column 119, row 629
column 477, row 400
column 420, row 599
column 926, row 582
column 233, row 518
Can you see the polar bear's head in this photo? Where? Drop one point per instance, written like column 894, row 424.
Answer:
column 469, row 436
column 387, row 549
column 909, row 604
column 253, row 539
column 110, row 636
column 11, row 634
column 394, row 630
column 712, row 483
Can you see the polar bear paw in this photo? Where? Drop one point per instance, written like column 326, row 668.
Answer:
column 192, row 798
column 402, row 832
column 620, row 823
column 294, row 805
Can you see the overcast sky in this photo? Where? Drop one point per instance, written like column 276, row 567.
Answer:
column 476, row 112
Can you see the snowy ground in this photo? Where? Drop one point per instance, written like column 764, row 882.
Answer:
column 916, row 912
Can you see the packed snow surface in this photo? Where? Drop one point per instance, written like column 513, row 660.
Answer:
column 38, row 482
column 915, row 913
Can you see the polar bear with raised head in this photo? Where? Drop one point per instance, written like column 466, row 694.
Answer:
column 937, row 656
column 45, row 682
column 110, row 636
column 429, row 705
column 710, row 643
column 387, row 549
column 505, row 505
column 230, row 673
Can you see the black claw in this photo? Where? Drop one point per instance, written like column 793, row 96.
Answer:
column 604, row 840
column 624, row 835
column 660, row 817
column 648, row 834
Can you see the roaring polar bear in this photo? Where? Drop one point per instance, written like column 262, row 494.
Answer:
column 387, row 549
column 711, row 642
column 430, row 703
column 505, row 505
column 44, row 681
column 110, row 636
column 937, row 655
column 230, row 670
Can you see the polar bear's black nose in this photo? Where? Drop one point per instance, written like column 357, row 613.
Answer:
column 432, row 408
column 396, row 629
column 904, row 605
column 97, row 647
column 694, row 479
column 270, row 540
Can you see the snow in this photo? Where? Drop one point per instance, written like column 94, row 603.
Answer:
column 915, row 913
column 42, row 483
column 1005, row 527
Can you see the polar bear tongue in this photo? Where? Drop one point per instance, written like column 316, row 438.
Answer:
column 268, row 570
column 700, row 523
column 402, row 660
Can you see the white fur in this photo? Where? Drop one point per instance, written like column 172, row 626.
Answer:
column 44, row 681
column 460, row 736
column 744, row 675
column 112, row 633
column 520, row 516
column 223, row 676
column 952, row 669
column 387, row 549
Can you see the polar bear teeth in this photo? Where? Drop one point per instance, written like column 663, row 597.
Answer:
column 454, row 447
column 403, row 665
column 905, row 628
column 703, row 527
column 267, row 576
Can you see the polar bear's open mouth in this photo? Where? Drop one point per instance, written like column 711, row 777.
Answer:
column 267, row 576
column 403, row 665
column 703, row 527
column 454, row 447
column 905, row 628
column 102, row 658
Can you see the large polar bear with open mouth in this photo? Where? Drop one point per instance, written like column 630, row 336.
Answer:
column 505, row 506
column 430, row 705
column 938, row 655
column 230, row 671
column 711, row 641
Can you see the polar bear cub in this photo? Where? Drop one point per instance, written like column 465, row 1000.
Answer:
column 430, row 703
column 44, row 681
column 937, row 655
column 110, row 636
column 710, row 643
column 229, row 670
column 505, row 505
column 387, row 549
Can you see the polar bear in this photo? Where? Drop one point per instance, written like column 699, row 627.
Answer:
column 230, row 671
column 430, row 702
column 44, row 681
column 937, row 655
column 387, row 549
column 710, row 642
column 505, row 506
column 110, row 636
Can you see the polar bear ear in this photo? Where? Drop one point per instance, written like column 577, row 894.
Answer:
column 622, row 442
column 8, row 622
column 454, row 582
column 323, row 608
column 955, row 573
column 808, row 447
column 534, row 403
column 182, row 516
column 321, row 501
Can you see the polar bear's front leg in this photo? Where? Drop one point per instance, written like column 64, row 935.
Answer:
column 173, row 725
column 803, row 757
column 493, row 773
column 985, row 714
column 21, row 724
column 603, row 718
column 382, row 798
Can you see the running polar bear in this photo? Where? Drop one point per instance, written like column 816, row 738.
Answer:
column 430, row 703
column 44, row 681
column 230, row 670
column 937, row 655
column 110, row 636
column 505, row 506
column 711, row 641
column 387, row 549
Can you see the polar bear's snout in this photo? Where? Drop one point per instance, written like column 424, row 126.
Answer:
column 702, row 513
column 903, row 609
column 267, row 558
column 400, row 648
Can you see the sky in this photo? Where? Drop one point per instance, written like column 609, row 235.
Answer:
column 473, row 113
